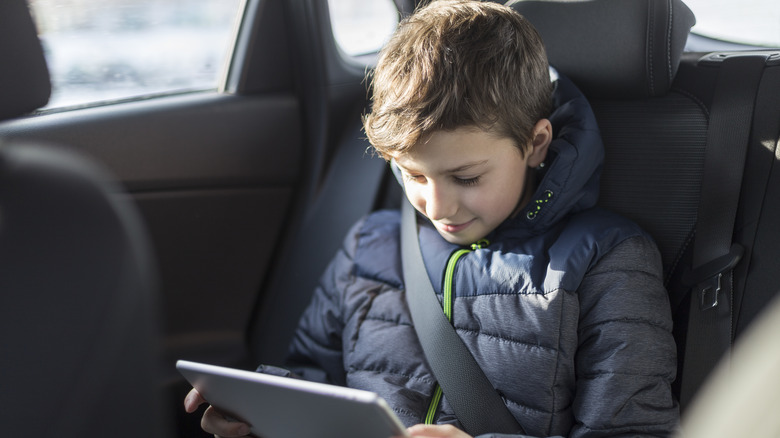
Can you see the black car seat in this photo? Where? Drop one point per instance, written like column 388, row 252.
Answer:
column 654, row 105
column 645, row 40
column 78, row 354
column 675, row 127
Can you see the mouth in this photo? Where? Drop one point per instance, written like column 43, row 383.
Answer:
column 454, row 228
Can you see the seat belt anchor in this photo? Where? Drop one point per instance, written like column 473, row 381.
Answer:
column 708, row 292
column 706, row 278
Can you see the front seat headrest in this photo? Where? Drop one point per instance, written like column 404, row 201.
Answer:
column 613, row 48
column 24, row 77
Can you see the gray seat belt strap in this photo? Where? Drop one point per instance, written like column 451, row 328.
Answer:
column 714, row 254
column 477, row 404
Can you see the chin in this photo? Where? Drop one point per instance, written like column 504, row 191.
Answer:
column 461, row 240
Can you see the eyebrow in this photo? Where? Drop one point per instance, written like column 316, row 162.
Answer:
column 462, row 168
column 466, row 166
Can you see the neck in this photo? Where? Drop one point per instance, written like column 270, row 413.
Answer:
column 528, row 192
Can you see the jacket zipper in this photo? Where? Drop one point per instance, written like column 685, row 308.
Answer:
column 449, row 273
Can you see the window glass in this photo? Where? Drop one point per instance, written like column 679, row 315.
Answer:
column 752, row 22
column 362, row 26
column 107, row 50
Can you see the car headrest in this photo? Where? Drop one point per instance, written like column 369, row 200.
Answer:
column 24, row 77
column 613, row 48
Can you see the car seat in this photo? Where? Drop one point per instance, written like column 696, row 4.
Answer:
column 78, row 354
column 654, row 104
column 641, row 34
column 663, row 114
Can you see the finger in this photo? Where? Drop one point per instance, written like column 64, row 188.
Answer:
column 426, row 430
column 214, row 422
column 436, row 431
column 192, row 401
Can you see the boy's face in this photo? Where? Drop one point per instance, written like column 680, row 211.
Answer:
column 468, row 181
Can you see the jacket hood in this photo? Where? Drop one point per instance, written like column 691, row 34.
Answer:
column 569, row 181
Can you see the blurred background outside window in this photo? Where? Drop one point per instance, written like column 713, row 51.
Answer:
column 361, row 27
column 109, row 50
column 750, row 22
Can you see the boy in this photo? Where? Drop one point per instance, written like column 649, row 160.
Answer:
column 561, row 304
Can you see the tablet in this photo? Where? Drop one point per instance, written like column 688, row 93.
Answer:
column 281, row 407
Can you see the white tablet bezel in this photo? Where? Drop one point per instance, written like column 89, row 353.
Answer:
column 279, row 407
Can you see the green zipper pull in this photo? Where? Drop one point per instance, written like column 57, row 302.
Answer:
column 481, row 243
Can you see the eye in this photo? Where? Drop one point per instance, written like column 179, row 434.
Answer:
column 467, row 181
column 414, row 178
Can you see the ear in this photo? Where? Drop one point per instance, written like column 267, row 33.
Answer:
column 541, row 137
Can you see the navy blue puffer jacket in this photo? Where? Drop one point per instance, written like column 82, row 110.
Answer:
column 564, row 310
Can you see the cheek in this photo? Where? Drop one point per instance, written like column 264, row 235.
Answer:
column 415, row 197
column 501, row 200
column 499, row 204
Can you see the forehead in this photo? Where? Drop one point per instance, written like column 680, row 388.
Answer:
column 451, row 150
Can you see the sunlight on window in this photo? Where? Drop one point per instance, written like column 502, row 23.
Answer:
column 106, row 50
column 754, row 22
column 361, row 26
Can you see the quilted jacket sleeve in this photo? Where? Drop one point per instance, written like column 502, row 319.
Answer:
column 626, row 359
column 316, row 349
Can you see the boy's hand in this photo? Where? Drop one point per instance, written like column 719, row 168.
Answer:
column 436, row 431
column 213, row 421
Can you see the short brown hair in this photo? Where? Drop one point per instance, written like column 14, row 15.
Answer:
column 457, row 63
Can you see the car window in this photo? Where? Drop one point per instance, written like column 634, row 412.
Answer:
column 362, row 26
column 109, row 50
column 749, row 22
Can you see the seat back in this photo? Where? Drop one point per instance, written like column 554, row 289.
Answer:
column 647, row 38
column 644, row 124
column 78, row 322
column 653, row 104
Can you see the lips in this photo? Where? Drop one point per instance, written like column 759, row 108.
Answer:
column 454, row 228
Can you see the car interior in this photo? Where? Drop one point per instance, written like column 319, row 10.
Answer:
column 79, row 320
column 195, row 226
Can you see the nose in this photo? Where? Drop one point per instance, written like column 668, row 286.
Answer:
column 440, row 201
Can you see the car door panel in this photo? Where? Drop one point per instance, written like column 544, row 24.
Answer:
column 212, row 247
column 203, row 139
column 213, row 176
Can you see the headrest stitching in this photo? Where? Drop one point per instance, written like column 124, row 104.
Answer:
column 669, row 34
column 649, row 48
